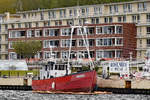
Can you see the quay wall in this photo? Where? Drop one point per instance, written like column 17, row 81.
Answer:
column 121, row 83
column 16, row 81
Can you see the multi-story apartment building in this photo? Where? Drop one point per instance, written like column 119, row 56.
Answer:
column 5, row 20
column 115, row 30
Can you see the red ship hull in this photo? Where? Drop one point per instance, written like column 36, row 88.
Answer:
column 79, row 82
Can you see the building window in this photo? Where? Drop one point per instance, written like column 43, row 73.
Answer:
column 105, row 42
column 99, row 30
column 19, row 25
column 70, row 13
column 30, row 33
column 148, row 42
column 24, row 15
column 84, row 54
column 109, row 42
column 52, row 14
column 38, row 33
column 109, row 30
column 51, row 32
column 66, row 43
column 90, row 30
column 118, row 30
column 122, row 19
column 50, row 43
column 37, row 24
column 64, row 54
column 140, row 53
column 6, row 26
column 62, row 13
column 119, row 19
column 26, row 25
column 95, row 20
column 108, row 19
column 49, row 23
column 12, row 55
column 140, row 43
column 97, row 10
column 42, row 16
column 0, row 28
column 66, row 32
column 84, row 11
column 12, row 26
column 49, row 14
column 136, row 18
column 81, row 43
column 113, row 9
column 52, row 54
column 30, row 24
column 119, row 41
column 99, row 54
column 58, row 23
column 75, row 12
column 148, row 17
column 17, row 34
column 127, row 8
column 142, row 6
column 10, row 45
column 118, row 54
column 148, row 30
column 107, row 54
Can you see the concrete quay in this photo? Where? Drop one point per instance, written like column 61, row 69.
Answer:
column 126, row 86
column 13, row 83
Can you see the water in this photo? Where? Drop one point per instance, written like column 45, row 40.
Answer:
column 28, row 95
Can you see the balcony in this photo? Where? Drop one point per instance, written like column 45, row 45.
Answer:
column 4, row 32
column 143, row 36
column 4, row 42
column 4, row 52
column 143, row 48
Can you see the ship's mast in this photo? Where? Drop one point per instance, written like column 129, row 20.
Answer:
column 84, row 37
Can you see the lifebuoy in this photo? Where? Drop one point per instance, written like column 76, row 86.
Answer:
column 53, row 85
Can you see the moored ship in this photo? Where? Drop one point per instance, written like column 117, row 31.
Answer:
column 54, row 77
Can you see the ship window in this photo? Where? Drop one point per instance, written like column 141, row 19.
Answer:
column 56, row 67
column 51, row 67
column 61, row 67
column 46, row 68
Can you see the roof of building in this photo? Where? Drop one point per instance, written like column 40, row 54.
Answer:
column 41, row 10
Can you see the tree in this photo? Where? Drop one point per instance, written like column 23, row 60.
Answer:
column 27, row 49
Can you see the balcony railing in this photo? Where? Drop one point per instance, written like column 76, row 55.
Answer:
column 143, row 36
column 4, row 32
column 4, row 52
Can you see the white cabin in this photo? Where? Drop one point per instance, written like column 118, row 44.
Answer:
column 53, row 69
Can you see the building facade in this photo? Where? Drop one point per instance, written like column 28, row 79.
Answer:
column 114, row 40
column 51, row 26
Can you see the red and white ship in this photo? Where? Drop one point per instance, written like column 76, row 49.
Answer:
column 56, row 76
column 75, row 82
